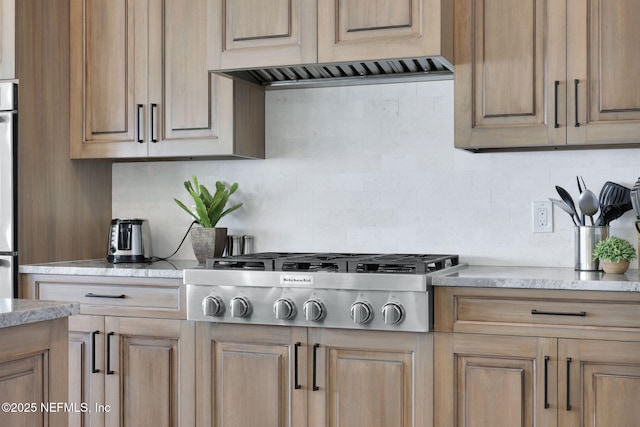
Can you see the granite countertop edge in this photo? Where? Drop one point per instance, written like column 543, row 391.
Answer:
column 101, row 267
column 553, row 278
column 17, row 312
column 561, row 278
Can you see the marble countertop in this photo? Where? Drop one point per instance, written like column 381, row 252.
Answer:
column 16, row 312
column 171, row 269
column 540, row 278
column 478, row 276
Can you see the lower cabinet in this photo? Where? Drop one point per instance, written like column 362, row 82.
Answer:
column 33, row 369
column 491, row 381
column 289, row 376
column 537, row 367
column 131, row 351
column 131, row 371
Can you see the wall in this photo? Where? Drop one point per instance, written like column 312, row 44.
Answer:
column 373, row 169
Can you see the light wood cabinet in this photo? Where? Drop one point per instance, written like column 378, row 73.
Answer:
column 140, row 87
column 361, row 30
column 563, row 76
column 373, row 379
column 263, row 33
column 246, row 376
column 255, row 34
column 33, row 370
column 315, row 377
column 505, row 365
column 7, row 39
column 485, row 380
column 131, row 358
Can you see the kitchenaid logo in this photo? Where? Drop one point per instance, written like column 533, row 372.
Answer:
column 289, row 279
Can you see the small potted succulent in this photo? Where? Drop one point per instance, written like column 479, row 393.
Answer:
column 614, row 254
column 208, row 241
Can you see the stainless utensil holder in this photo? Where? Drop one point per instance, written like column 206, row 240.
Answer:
column 585, row 240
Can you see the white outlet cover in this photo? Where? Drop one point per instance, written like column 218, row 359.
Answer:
column 542, row 217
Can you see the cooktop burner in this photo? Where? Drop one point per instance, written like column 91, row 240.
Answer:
column 335, row 262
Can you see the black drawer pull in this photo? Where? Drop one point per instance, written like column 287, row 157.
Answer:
column 555, row 103
column 576, row 82
column 109, row 371
column 296, row 384
column 94, row 370
column 546, row 382
column 92, row 295
column 558, row 313
column 568, row 383
column 315, row 383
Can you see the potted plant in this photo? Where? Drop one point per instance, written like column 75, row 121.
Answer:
column 208, row 241
column 614, row 254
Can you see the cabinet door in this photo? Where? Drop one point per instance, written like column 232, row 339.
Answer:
column 372, row 379
column 488, row 381
column 602, row 385
column 149, row 378
column 86, row 369
column 247, row 376
column 603, row 58
column 380, row 29
column 108, row 78
column 7, row 39
column 191, row 109
column 250, row 33
column 22, row 382
column 509, row 54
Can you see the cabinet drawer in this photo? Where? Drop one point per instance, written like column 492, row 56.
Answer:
column 544, row 311
column 142, row 297
column 554, row 313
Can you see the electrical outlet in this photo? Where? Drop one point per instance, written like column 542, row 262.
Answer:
column 542, row 217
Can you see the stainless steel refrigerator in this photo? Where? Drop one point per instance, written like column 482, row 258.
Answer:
column 8, row 190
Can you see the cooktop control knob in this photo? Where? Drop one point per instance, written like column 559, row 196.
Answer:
column 240, row 307
column 213, row 306
column 361, row 312
column 314, row 310
column 284, row 309
column 392, row 313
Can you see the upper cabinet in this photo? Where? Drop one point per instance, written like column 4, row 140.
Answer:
column 258, row 34
column 361, row 30
column 251, row 33
column 140, row 87
column 546, row 73
column 7, row 39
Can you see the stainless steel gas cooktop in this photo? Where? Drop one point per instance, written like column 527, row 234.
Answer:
column 332, row 290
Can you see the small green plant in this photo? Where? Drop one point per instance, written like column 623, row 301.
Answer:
column 614, row 249
column 209, row 208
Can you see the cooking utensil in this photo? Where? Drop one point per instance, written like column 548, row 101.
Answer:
column 588, row 203
column 562, row 205
column 634, row 203
column 613, row 194
column 566, row 197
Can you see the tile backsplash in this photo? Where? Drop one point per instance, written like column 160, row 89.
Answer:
column 373, row 169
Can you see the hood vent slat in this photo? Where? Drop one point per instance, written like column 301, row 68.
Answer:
column 352, row 73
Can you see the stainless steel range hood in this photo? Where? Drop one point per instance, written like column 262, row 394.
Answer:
column 346, row 73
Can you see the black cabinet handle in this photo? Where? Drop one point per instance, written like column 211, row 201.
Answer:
column 568, row 383
column 558, row 313
column 94, row 370
column 109, row 371
column 154, row 111
column 296, row 384
column 315, row 383
column 546, row 382
column 139, row 108
column 555, row 103
column 92, row 295
column 576, row 82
